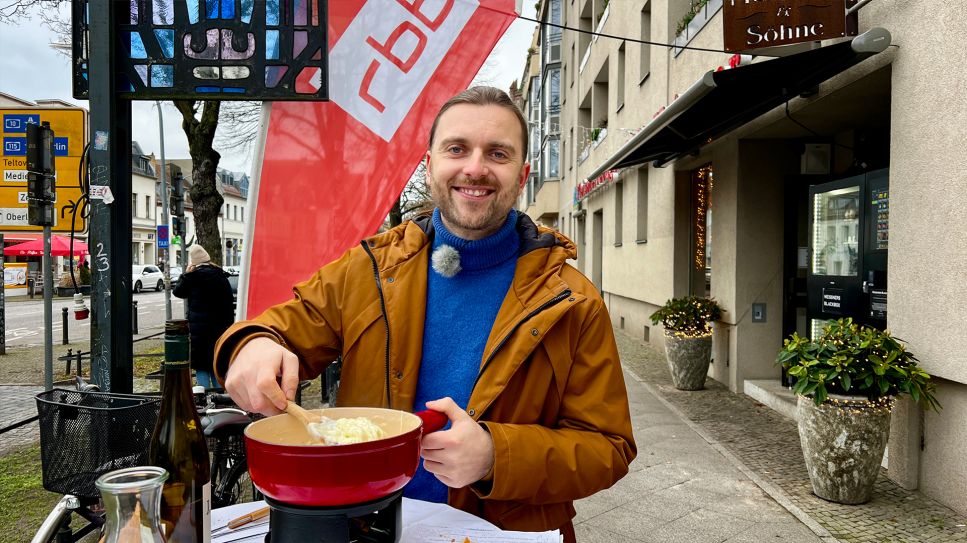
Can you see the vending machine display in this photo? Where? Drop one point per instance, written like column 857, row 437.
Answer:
column 849, row 228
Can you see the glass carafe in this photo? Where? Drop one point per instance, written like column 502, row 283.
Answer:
column 132, row 501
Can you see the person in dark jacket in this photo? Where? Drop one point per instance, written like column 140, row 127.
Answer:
column 210, row 310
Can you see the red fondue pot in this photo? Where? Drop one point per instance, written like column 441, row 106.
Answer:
column 289, row 465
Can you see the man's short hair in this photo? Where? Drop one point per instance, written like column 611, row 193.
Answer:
column 485, row 96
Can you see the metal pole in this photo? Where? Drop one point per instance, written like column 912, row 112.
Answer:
column 64, row 320
column 164, row 214
column 48, row 314
column 857, row 7
column 134, row 317
column 110, row 219
column 3, row 304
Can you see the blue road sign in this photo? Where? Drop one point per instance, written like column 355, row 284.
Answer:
column 18, row 123
column 162, row 236
column 15, row 146
column 60, row 146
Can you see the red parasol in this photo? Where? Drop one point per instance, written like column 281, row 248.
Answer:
column 59, row 246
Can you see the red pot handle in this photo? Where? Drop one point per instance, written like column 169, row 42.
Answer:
column 432, row 420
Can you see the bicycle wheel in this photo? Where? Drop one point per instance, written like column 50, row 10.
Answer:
column 235, row 487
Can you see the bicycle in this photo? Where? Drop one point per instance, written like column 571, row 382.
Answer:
column 84, row 434
column 223, row 424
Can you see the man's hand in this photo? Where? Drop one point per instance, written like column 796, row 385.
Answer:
column 462, row 455
column 253, row 377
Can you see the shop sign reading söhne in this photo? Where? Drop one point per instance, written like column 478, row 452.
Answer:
column 753, row 24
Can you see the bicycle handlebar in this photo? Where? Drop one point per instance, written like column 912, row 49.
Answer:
column 49, row 528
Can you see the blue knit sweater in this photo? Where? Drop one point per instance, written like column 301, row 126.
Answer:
column 460, row 311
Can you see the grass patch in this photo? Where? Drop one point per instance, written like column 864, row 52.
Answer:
column 25, row 502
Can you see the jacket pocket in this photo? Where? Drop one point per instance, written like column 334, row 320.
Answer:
column 358, row 326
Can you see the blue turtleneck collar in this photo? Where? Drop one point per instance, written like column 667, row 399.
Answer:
column 482, row 253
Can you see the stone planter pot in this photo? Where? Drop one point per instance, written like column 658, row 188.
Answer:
column 688, row 360
column 843, row 442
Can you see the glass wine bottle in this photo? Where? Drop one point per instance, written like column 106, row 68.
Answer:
column 178, row 445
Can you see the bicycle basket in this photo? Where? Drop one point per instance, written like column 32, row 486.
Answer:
column 84, row 435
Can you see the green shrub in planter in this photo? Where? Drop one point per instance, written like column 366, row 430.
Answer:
column 847, row 381
column 858, row 360
column 690, row 316
column 688, row 338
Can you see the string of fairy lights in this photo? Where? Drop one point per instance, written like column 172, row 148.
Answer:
column 703, row 184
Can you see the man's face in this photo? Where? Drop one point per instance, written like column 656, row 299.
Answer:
column 476, row 168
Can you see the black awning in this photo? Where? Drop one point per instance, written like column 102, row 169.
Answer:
column 722, row 101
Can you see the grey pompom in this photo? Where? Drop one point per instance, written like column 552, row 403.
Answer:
column 446, row 261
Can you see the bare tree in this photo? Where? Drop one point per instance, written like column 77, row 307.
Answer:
column 414, row 199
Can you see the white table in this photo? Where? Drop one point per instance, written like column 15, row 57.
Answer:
column 423, row 522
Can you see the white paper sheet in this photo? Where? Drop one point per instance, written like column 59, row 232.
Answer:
column 423, row 522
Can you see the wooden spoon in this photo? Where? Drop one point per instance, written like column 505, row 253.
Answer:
column 305, row 417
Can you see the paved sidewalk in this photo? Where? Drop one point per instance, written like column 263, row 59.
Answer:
column 766, row 446
column 681, row 490
column 17, row 404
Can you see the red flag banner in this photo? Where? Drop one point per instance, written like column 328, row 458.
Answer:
column 330, row 171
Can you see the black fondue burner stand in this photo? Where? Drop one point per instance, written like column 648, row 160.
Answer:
column 378, row 521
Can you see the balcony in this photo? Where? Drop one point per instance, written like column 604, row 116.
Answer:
column 694, row 22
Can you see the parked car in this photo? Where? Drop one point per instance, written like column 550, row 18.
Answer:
column 232, row 270
column 175, row 272
column 143, row 277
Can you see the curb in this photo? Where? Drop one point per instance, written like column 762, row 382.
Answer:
column 770, row 489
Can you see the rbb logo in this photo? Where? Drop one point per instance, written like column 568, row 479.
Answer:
column 400, row 44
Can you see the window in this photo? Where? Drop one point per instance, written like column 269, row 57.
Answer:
column 642, row 220
column 644, row 56
column 554, row 92
column 552, row 42
column 553, row 158
column 147, row 206
column 618, row 209
column 574, row 63
column 621, row 76
column 243, row 214
column 134, row 204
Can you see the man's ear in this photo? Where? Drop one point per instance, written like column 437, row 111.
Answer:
column 524, row 172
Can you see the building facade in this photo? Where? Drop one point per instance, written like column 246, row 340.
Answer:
column 145, row 212
column 842, row 188
column 232, row 218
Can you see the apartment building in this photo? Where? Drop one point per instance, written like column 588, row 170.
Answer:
column 817, row 161
column 145, row 212
column 232, row 218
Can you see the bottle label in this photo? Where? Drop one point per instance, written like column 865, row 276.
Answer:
column 206, row 499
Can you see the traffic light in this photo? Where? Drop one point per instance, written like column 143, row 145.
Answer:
column 177, row 202
column 41, row 187
column 178, row 225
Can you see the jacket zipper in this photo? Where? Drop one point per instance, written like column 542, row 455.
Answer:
column 382, row 305
column 553, row 301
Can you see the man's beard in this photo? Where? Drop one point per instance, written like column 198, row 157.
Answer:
column 491, row 218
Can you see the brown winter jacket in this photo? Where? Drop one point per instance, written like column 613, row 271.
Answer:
column 550, row 388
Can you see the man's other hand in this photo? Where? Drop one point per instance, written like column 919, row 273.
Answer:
column 253, row 377
column 462, row 455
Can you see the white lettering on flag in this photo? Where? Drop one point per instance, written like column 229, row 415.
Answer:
column 386, row 56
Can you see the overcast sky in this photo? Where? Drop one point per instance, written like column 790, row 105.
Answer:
column 30, row 69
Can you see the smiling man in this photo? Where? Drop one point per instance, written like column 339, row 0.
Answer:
column 472, row 311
